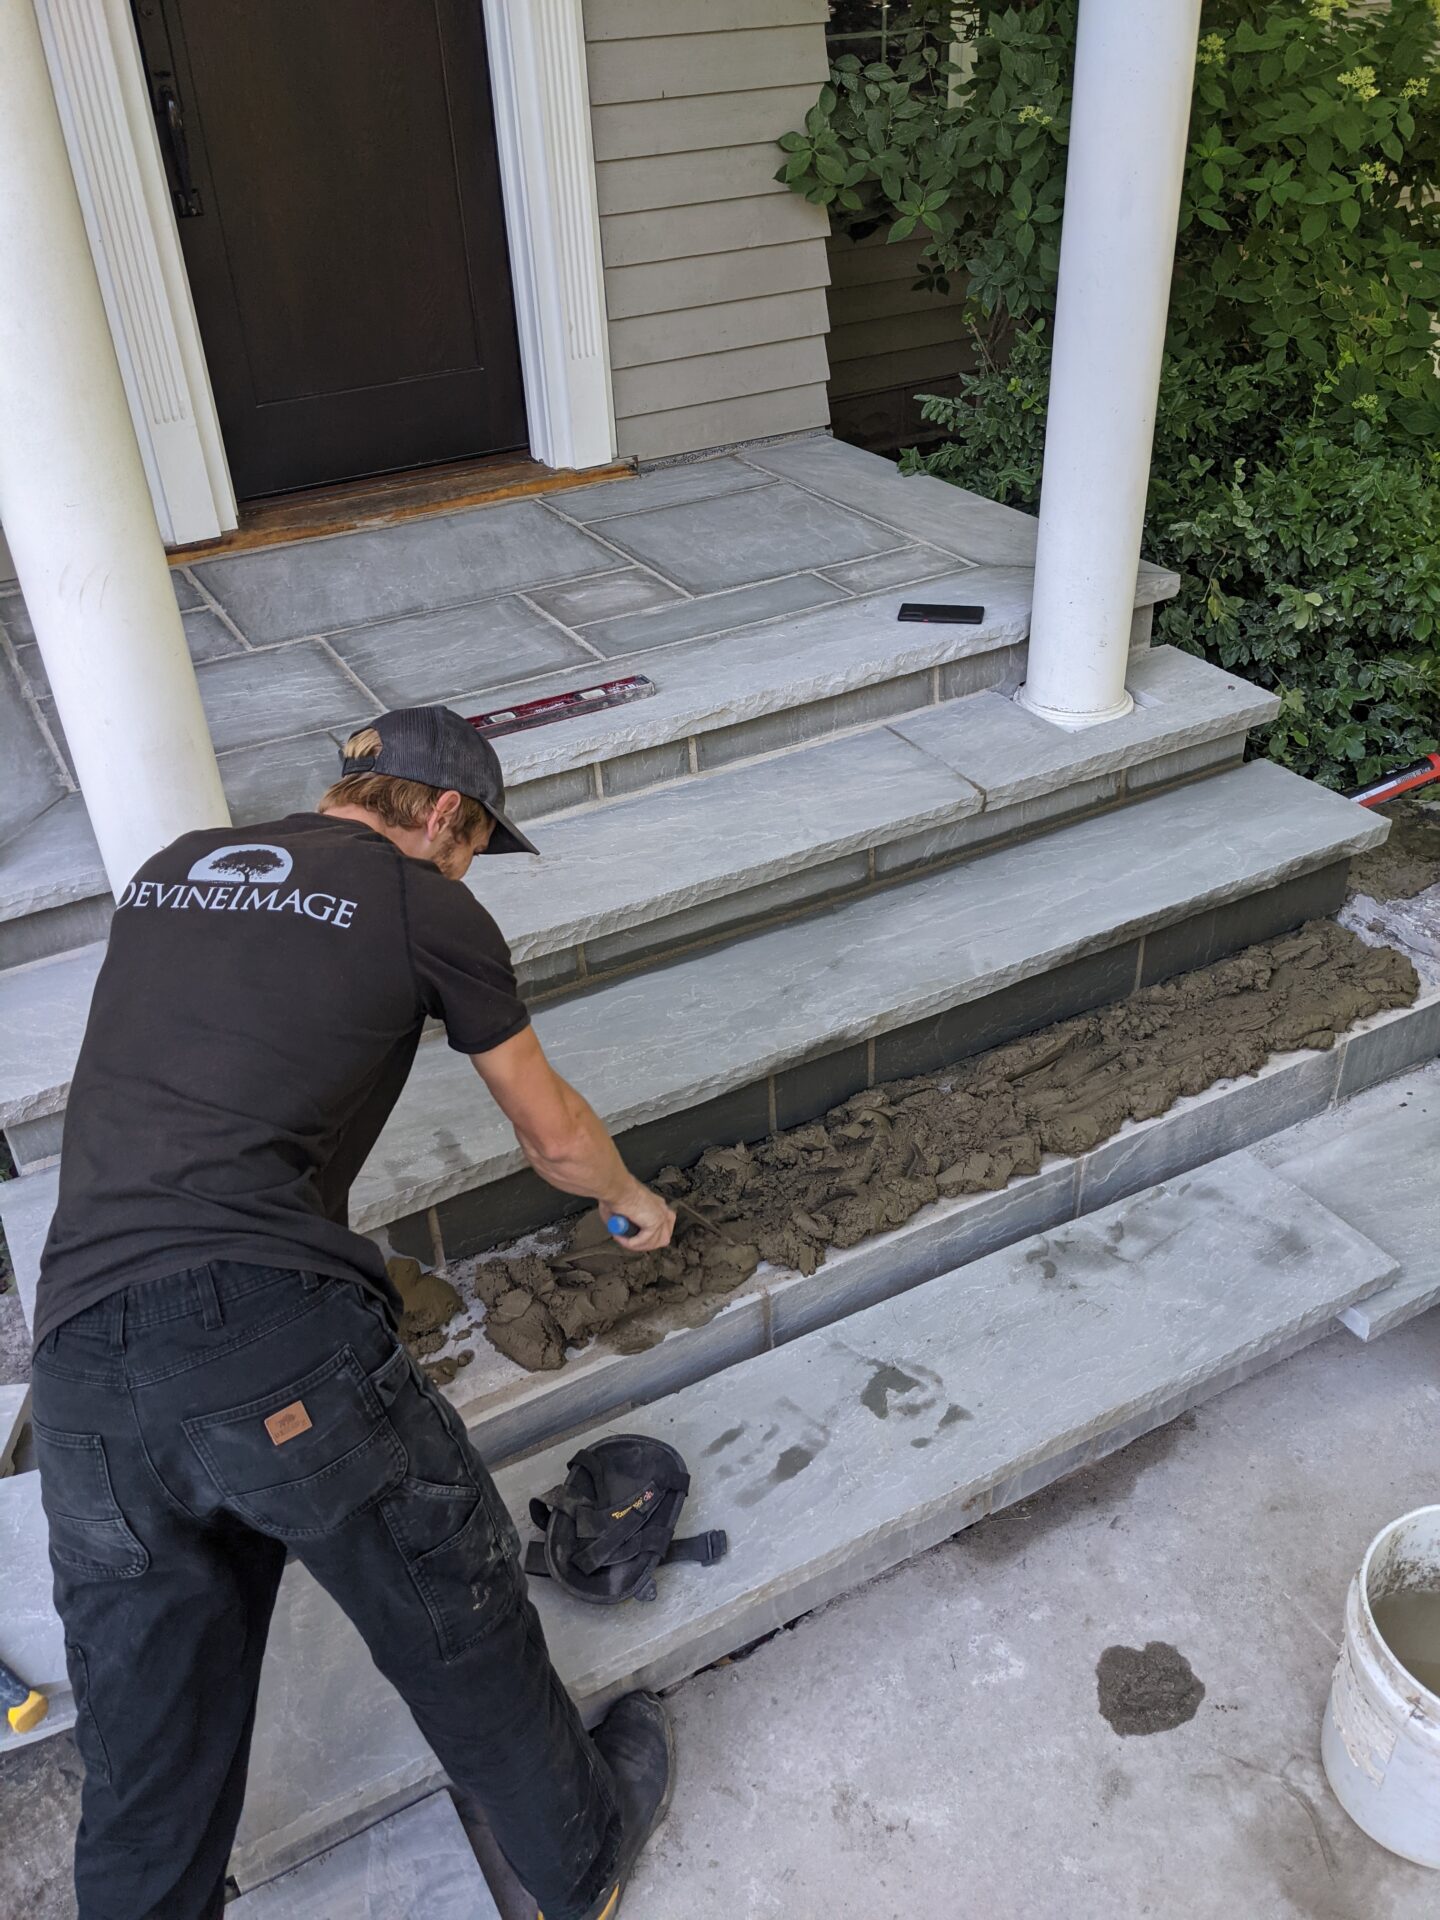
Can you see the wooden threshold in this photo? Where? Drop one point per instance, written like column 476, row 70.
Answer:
column 389, row 498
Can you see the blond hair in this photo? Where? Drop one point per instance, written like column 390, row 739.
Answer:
column 399, row 803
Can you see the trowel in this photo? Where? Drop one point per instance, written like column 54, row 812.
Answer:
column 622, row 1228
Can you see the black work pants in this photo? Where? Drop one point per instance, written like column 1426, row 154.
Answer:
column 189, row 1431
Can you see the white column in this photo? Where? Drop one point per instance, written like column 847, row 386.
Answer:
column 1134, row 71
column 540, row 86
column 75, row 504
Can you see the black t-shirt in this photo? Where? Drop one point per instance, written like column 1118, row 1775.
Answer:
column 253, row 1023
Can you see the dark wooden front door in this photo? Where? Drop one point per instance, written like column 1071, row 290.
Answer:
column 335, row 177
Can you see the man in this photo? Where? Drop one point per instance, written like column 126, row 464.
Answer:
column 217, row 1377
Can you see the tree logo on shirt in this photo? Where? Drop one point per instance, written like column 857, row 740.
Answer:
column 243, row 863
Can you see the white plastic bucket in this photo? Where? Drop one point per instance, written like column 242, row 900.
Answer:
column 1381, row 1737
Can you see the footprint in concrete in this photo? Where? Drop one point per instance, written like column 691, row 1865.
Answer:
column 1152, row 1689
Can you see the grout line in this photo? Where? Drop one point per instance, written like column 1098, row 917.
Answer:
column 692, row 742
column 1139, row 958
column 559, row 625
column 664, row 506
column 870, row 1061
column 630, row 560
column 866, row 513
column 209, row 604
column 772, row 1103
column 350, row 674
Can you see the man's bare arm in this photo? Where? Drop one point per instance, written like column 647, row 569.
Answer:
column 565, row 1140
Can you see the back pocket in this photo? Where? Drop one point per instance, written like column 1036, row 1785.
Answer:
column 88, row 1533
column 305, row 1458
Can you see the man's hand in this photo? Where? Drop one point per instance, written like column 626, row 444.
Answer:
column 565, row 1140
column 651, row 1218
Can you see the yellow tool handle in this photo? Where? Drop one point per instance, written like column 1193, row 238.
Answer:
column 30, row 1712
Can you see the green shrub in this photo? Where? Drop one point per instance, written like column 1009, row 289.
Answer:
column 1293, row 482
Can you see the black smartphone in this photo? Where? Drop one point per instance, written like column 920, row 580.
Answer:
column 942, row 615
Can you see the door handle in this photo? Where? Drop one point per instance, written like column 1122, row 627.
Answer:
column 172, row 133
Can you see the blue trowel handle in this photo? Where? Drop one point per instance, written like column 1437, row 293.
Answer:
column 619, row 1226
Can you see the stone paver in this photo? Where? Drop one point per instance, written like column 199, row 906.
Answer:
column 251, row 697
column 32, row 779
column 604, row 596
column 283, row 776
column 664, row 487
column 208, row 636
column 417, row 1864
column 714, row 613
column 1374, row 1162
column 910, row 564
column 725, row 541
column 461, row 650
column 846, row 1452
column 318, row 586
column 14, row 1416
column 1013, row 756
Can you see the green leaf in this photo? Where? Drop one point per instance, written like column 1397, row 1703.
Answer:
column 902, row 229
column 1212, row 219
column 1313, row 225
column 793, row 142
column 1350, row 214
column 829, row 168
column 1021, row 199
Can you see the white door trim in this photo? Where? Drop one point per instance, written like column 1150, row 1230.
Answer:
column 95, row 69
column 552, row 216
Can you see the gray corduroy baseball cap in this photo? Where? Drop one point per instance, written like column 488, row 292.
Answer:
column 440, row 749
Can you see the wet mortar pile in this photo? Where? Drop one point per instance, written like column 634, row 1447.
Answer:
column 1409, row 861
column 878, row 1158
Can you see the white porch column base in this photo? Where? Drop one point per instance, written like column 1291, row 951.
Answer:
column 1134, row 73
column 75, row 504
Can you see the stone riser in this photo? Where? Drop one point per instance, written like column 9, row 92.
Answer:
column 496, row 1212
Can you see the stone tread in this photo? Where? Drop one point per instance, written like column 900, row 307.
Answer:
column 838, row 1456
column 418, row 1864
column 1373, row 1162
column 627, row 863
column 651, row 1045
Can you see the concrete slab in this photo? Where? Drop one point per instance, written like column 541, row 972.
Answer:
column 733, row 538
column 714, row 613
column 848, row 1451
column 31, row 1638
column 437, row 656
column 938, row 1745
column 1373, row 1162
column 14, row 1418
column 418, row 1862
column 319, row 586
column 251, row 697
column 1013, row 757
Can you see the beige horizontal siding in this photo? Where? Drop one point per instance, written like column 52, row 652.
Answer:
column 691, row 285
column 723, row 423
column 703, row 122
column 634, row 19
column 688, row 179
column 654, row 339
column 714, row 272
column 719, row 376
column 676, row 66
column 724, row 226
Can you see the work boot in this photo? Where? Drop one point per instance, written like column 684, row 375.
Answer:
column 638, row 1742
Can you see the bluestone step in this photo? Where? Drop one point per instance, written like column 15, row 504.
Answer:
column 1376, row 1163
column 848, row 1451
column 14, row 1418
column 415, row 1865
column 512, row 1411
column 635, row 878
